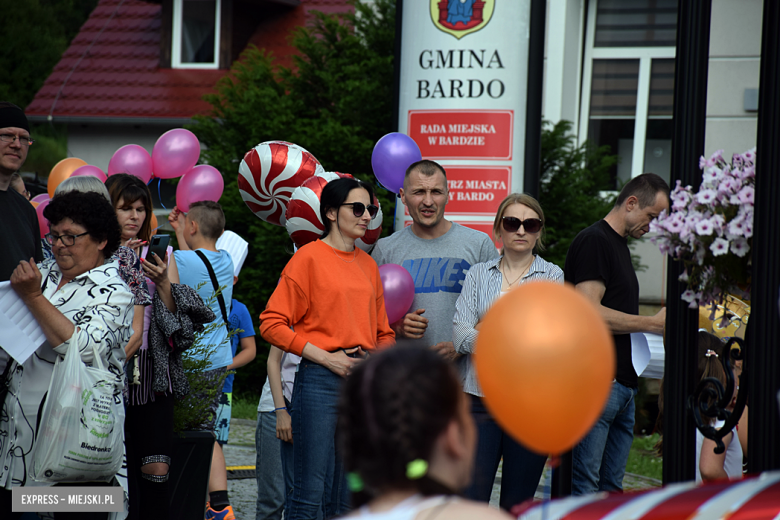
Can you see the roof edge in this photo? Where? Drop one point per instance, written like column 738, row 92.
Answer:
column 111, row 120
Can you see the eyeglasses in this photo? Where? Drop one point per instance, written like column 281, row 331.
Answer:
column 10, row 138
column 358, row 208
column 67, row 240
column 512, row 224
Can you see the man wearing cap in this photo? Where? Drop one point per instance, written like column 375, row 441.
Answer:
column 20, row 237
column 19, row 234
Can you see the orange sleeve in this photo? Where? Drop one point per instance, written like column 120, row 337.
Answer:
column 385, row 336
column 286, row 306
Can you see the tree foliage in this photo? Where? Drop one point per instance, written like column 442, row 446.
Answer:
column 573, row 179
column 336, row 102
column 35, row 35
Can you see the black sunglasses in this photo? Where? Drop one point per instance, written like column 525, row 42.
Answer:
column 512, row 224
column 358, row 208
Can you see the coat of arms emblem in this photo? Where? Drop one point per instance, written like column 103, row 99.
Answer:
column 461, row 17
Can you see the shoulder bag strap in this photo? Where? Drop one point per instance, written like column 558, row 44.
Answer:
column 213, row 277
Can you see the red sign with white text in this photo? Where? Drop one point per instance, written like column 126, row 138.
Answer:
column 462, row 134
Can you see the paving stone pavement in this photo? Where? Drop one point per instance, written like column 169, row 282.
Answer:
column 240, row 451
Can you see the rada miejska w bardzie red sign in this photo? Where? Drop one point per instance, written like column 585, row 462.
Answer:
column 462, row 98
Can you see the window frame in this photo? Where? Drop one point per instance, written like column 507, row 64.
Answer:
column 176, row 33
column 645, row 55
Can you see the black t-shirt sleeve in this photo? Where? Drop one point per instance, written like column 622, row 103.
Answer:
column 589, row 260
column 36, row 234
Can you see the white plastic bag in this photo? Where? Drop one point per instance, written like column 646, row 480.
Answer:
column 81, row 432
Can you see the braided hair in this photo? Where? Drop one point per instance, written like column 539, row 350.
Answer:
column 393, row 408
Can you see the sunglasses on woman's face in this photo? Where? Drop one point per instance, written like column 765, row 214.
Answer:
column 358, row 208
column 512, row 224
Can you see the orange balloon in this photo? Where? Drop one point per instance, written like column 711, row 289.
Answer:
column 62, row 171
column 545, row 360
column 34, row 203
column 153, row 223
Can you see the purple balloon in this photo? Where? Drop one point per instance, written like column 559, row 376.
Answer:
column 391, row 157
column 40, row 197
column 132, row 159
column 88, row 169
column 398, row 286
column 175, row 153
column 203, row 182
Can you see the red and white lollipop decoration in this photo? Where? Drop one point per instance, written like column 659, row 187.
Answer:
column 268, row 175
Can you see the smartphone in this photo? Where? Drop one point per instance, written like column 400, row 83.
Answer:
column 158, row 244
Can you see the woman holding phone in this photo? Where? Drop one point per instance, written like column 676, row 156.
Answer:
column 149, row 421
column 519, row 225
column 329, row 309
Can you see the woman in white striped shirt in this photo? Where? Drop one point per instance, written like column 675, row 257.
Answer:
column 519, row 225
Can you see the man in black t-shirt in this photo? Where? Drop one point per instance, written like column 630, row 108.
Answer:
column 19, row 233
column 599, row 265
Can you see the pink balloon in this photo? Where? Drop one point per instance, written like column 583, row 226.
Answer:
column 175, row 153
column 132, row 159
column 43, row 224
column 94, row 171
column 40, row 197
column 203, row 182
column 398, row 286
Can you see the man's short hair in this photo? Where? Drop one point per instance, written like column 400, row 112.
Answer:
column 645, row 188
column 425, row 167
column 209, row 216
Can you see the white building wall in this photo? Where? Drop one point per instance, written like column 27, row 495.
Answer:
column 96, row 143
column 735, row 54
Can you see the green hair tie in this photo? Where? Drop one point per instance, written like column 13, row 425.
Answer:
column 416, row 469
column 354, row 482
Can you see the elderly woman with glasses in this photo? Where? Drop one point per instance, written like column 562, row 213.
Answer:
column 329, row 309
column 79, row 301
column 519, row 225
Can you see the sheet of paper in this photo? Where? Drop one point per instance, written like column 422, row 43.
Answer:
column 655, row 368
column 647, row 354
column 20, row 334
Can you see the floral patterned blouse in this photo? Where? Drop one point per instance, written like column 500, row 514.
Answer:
column 129, row 269
column 99, row 303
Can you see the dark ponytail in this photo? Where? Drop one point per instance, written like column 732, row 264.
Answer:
column 393, row 408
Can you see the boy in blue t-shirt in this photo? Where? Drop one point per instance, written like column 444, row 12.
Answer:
column 197, row 232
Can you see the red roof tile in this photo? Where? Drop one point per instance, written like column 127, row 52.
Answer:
column 116, row 73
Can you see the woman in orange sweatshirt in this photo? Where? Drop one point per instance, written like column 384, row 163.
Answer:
column 329, row 309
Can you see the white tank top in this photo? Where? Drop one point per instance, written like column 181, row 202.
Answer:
column 407, row 509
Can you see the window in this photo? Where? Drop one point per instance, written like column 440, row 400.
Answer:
column 628, row 86
column 196, row 34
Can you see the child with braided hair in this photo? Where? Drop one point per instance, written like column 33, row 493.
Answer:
column 408, row 438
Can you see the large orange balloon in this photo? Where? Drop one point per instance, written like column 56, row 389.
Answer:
column 153, row 223
column 545, row 360
column 62, row 171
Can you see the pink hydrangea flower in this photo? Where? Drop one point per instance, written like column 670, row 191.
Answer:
column 746, row 195
column 706, row 196
column 740, row 247
column 705, row 227
column 736, row 228
column 719, row 246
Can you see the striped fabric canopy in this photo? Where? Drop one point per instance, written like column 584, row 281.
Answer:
column 755, row 498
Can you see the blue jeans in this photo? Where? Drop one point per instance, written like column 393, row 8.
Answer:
column 522, row 468
column 319, row 482
column 599, row 460
column 270, row 479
